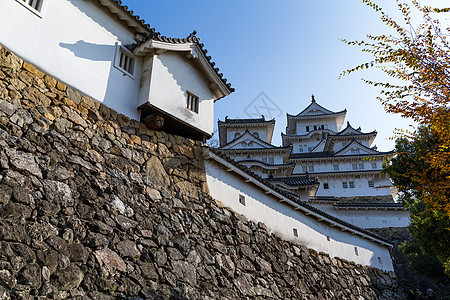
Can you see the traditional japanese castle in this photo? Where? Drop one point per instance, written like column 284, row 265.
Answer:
column 101, row 51
column 315, row 149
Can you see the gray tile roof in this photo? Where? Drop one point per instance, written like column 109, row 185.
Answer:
column 295, row 181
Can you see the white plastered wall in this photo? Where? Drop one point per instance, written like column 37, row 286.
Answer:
column 75, row 42
column 368, row 218
column 172, row 75
column 281, row 219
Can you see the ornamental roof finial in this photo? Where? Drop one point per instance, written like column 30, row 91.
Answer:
column 313, row 100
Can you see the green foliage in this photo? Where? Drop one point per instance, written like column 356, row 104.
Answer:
column 423, row 264
column 429, row 227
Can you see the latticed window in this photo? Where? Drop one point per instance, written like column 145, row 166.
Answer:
column 192, row 102
column 371, row 183
column 344, row 185
column 36, row 4
column 351, row 184
column 124, row 61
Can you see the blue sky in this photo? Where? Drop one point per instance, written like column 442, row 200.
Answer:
column 287, row 50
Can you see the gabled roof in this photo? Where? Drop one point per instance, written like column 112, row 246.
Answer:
column 355, row 144
column 156, row 43
column 349, row 130
column 247, row 136
column 314, row 110
column 288, row 198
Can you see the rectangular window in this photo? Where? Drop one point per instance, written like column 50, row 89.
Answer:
column 361, row 166
column 34, row 6
column 300, row 149
column 356, row 251
column 309, row 149
column 264, row 159
column 192, row 102
column 354, row 167
column 124, row 61
column 242, row 199
column 322, row 126
column 295, row 231
column 307, row 128
column 379, row 260
column 344, row 185
column 336, row 167
column 374, row 165
column 271, row 161
column 325, row 186
column 371, row 183
column 304, row 169
column 311, row 168
column 315, row 127
column 351, row 184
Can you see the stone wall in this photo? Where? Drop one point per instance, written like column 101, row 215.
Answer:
column 408, row 279
column 95, row 205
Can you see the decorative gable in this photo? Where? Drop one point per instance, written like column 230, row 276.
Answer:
column 355, row 148
column 247, row 140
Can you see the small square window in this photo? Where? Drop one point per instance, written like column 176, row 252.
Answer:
column 242, row 199
column 125, row 61
column 351, row 184
column 300, row 149
column 374, row 165
column 325, row 186
column 192, row 102
column 336, row 167
column 344, row 185
column 370, row 182
column 271, row 161
column 309, row 149
column 354, row 167
column 356, row 251
column 361, row 166
column 295, row 231
column 264, row 159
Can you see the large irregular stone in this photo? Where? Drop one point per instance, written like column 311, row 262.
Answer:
column 128, row 249
column 110, row 261
column 69, row 278
column 24, row 162
column 156, row 173
column 58, row 192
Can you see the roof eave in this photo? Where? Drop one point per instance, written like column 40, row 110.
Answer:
column 126, row 16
